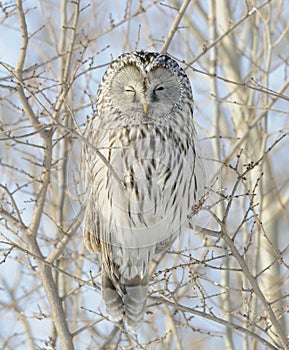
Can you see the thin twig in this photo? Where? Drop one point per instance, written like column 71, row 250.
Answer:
column 221, row 37
column 174, row 26
column 164, row 300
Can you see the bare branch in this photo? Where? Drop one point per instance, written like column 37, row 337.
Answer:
column 164, row 300
column 175, row 25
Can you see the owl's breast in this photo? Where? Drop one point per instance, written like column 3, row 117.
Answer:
column 148, row 193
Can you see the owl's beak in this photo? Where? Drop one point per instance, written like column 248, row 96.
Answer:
column 145, row 108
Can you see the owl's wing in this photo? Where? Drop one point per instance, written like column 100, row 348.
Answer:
column 91, row 222
column 91, row 236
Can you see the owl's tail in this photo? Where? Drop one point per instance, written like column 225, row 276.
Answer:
column 127, row 304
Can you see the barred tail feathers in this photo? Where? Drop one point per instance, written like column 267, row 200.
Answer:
column 111, row 297
column 130, row 305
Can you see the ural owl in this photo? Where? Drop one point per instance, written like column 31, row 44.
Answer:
column 142, row 174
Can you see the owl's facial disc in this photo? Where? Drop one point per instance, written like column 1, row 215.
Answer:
column 152, row 93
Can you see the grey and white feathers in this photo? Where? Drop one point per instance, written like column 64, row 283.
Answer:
column 142, row 188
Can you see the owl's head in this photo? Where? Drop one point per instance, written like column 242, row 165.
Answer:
column 144, row 84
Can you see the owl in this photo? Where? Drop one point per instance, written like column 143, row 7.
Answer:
column 142, row 174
